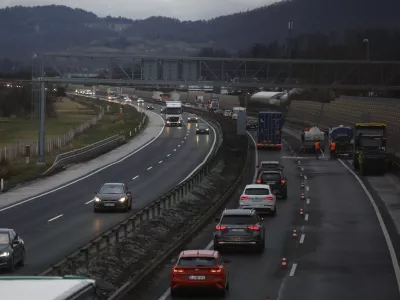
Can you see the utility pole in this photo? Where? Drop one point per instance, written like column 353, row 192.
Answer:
column 366, row 42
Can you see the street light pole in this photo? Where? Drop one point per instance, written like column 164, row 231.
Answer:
column 366, row 42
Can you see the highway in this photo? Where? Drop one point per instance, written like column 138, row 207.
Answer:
column 340, row 251
column 56, row 224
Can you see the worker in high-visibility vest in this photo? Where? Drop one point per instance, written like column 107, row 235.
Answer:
column 333, row 150
column 317, row 148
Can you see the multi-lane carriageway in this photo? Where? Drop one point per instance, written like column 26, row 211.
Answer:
column 57, row 223
column 341, row 251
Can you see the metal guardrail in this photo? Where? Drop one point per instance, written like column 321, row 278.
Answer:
column 125, row 228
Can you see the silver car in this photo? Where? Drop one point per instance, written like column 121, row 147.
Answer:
column 113, row 196
column 193, row 119
column 258, row 197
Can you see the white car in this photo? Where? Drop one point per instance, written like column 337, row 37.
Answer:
column 258, row 197
column 227, row 113
column 187, row 105
column 140, row 100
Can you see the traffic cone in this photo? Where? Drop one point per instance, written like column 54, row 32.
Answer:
column 294, row 234
column 284, row 263
column 303, row 197
column 301, row 174
column 301, row 212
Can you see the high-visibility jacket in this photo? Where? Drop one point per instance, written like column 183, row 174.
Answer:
column 317, row 146
column 333, row 146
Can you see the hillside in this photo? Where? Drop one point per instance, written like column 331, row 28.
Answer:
column 26, row 30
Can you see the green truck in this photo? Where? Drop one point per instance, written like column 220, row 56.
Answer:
column 370, row 156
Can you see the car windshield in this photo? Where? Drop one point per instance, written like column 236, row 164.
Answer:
column 4, row 238
column 111, row 189
column 237, row 220
column 271, row 177
column 269, row 166
column 197, row 262
column 256, row 191
column 202, row 127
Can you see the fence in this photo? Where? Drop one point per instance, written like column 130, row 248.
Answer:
column 11, row 152
column 128, row 226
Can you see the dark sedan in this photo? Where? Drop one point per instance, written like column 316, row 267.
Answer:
column 150, row 107
column 202, row 129
column 12, row 249
column 113, row 196
column 251, row 125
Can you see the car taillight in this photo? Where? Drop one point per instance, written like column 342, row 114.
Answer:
column 254, row 228
column 269, row 198
column 244, row 198
column 219, row 227
column 283, row 181
column 258, row 181
column 216, row 270
column 178, row 270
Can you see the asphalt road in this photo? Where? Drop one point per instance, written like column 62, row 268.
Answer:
column 149, row 174
column 340, row 251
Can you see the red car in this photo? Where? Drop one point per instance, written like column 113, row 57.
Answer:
column 200, row 269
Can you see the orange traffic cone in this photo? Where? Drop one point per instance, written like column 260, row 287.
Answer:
column 284, row 263
column 294, row 234
column 301, row 212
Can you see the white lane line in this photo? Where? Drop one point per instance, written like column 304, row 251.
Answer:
column 90, row 201
column 165, row 295
column 179, row 145
column 305, row 177
column 303, row 236
column 90, row 174
column 55, row 218
column 256, row 156
column 182, row 142
column 136, row 177
column 385, row 232
column 184, row 138
column 208, row 155
column 168, row 155
column 307, row 188
column 302, row 169
column 306, row 217
column 174, row 149
column 149, row 168
column 160, row 162
column 308, row 201
column 293, row 270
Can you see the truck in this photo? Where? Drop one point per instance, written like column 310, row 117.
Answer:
column 235, row 111
column 157, row 96
column 173, row 113
column 213, row 105
column 342, row 136
column 175, row 96
column 308, row 138
column 269, row 130
column 370, row 156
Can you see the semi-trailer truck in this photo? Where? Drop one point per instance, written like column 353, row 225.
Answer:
column 270, row 130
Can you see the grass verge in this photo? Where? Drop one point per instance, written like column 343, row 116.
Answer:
column 17, row 171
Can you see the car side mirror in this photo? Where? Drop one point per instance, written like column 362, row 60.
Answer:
column 15, row 242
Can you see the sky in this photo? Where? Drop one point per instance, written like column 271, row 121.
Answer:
column 140, row 9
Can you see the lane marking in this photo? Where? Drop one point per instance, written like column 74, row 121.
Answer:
column 182, row 142
column 55, row 218
column 303, row 236
column 208, row 155
column 307, row 188
column 137, row 176
column 168, row 155
column 306, row 217
column 385, row 232
column 166, row 294
column 160, row 162
column 149, row 168
column 90, row 201
column 174, row 149
column 184, row 138
column 256, row 154
column 90, row 174
column 308, row 201
column 179, row 145
column 305, row 177
column 302, row 169
column 293, row 270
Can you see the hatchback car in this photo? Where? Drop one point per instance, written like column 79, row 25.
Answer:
column 239, row 228
column 251, row 125
column 199, row 269
column 150, row 107
column 276, row 181
column 202, row 129
column 140, row 101
column 12, row 249
column 113, row 196
column 258, row 197
column 193, row 119
column 266, row 165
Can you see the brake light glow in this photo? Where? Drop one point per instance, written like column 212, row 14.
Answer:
column 219, row 227
column 269, row 198
column 244, row 198
column 283, row 181
column 216, row 270
column 178, row 270
column 258, row 181
column 255, row 228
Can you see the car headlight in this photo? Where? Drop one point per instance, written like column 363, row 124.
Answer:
column 123, row 199
column 5, row 254
column 207, row 129
column 197, row 118
column 167, row 122
column 97, row 199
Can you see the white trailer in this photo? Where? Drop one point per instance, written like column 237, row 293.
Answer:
column 308, row 138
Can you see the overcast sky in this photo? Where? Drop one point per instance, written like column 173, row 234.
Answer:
column 140, row 9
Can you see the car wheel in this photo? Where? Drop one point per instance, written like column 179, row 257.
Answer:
column 21, row 263
column 222, row 292
column 227, row 286
column 11, row 267
column 95, row 210
column 261, row 247
column 274, row 212
column 130, row 205
column 174, row 293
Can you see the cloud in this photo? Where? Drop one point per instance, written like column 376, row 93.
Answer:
column 140, row 9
